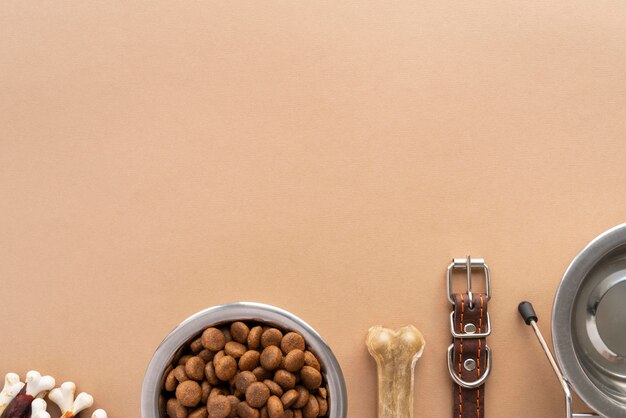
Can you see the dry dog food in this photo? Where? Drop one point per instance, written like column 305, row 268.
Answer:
column 246, row 370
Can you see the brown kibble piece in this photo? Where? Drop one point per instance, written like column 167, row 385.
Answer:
column 311, row 409
column 235, row 349
column 264, row 413
column 285, row 379
column 254, row 337
column 294, row 360
column 275, row 407
column 246, row 411
column 218, row 356
column 171, row 382
column 206, row 389
column 206, row 355
column 194, row 368
column 311, row 361
column 243, row 380
column 250, row 360
column 239, row 331
column 289, row 398
column 227, row 336
column 323, row 392
column 274, row 387
column 297, row 413
column 292, row 341
column 175, row 409
column 271, row 336
column 196, row 346
column 311, row 378
column 257, row 394
column 213, row 339
column 219, row 407
column 189, row 393
column 303, row 397
column 234, row 401
column 261, row 374
column 183, row 360
column 271, row 357
column 209, row 372
column 179, row 373
column 288, row 414
column 323, row 404
column 226, row 368
column 199, row 413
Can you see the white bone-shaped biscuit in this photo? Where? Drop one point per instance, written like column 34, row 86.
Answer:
column 12, row 386
column 64, row 398
column 38, row 385
column 39, row 407
column 99, row 413
column 395, row 352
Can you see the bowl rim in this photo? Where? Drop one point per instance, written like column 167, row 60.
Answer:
column 215, row 315
column 562, row 311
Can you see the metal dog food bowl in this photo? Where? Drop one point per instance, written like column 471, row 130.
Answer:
column 589, row 323
column 193, row 326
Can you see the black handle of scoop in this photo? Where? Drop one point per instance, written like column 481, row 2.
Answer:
column 528, row 312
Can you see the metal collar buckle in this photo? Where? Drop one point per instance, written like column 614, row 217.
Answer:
column 469, row 334
column 468, row 264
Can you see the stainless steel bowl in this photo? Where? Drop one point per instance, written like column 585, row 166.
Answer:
column 191, row 328
column 589, row 323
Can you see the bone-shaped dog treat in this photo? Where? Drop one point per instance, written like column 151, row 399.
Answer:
column 39, row 407
column 395, row 352
column 99, row 413
column 36, row 386
column 64, row 398
column 12, row 386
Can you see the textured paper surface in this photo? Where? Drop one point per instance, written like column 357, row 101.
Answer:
column 330, row 158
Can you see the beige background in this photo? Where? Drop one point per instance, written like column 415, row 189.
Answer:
column 330, row 158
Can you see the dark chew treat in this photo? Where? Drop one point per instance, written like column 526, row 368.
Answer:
column 239, row 331
column 199, row 413
column 271, row 336
column 243, row 380
column 289, row 398
column 213, row 339
column 271, row 357
column 246, row 411
column 292, row 341
column 311, row 361
column 234, row 349
column 257, row 394
column 179, row 374
column 219, row 407
column 275, row 407
column 303, row 397
column 226, row 368
column 189, row 393
column 294, row 360
column 175, row 409
column 194, row 368
column 311, row 378
column 311, row 409
column 274, row 387
column 254, row 338
column 250, row 360
column 285, row 379
column 171, row 382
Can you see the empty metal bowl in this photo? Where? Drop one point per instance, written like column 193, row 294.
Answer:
column 193, row 326
column 589, row 323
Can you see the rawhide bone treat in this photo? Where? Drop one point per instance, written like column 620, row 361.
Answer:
column 25, row 400
column 36, row 386
column 395, row 352
column 246, row 370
